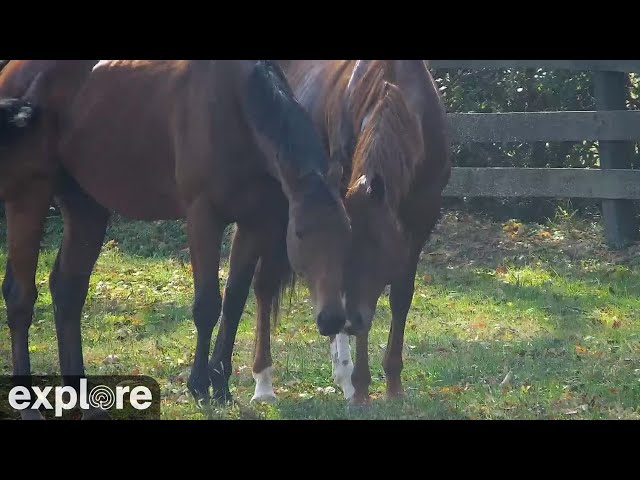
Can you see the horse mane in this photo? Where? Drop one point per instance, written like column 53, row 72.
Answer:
column 389, row 141
column 277, row 114
column 341, row 134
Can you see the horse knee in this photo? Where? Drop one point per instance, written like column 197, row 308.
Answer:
column 68, row 291
column 19, row 300
column 206, row 309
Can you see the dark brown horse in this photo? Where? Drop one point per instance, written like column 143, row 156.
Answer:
column 215, row 142
column 384, row 122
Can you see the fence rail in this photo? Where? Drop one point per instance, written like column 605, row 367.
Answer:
column 544, row 182
column 615, row 128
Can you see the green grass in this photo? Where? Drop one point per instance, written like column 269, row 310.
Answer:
column 548, row 307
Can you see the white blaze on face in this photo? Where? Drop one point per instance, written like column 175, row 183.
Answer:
column 264, row 386
column 342, row 364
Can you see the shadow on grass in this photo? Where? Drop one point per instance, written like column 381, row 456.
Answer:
column 159, row 239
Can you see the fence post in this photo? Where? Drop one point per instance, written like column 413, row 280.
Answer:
column 619, row 216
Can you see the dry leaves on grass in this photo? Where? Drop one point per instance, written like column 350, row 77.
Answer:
column 502, row 270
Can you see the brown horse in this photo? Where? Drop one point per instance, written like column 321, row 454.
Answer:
column 384, row 122
column 215, row 142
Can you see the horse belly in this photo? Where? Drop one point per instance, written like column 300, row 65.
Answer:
column 131, row 175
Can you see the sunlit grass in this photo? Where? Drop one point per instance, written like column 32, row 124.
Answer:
column 508, row 321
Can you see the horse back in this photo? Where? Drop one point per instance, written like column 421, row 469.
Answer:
column 118, row 141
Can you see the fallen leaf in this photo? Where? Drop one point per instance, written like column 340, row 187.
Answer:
column 580, row 349
column 135, row 371
column 427, row 279
column 451, row 389
column 479, row 325
column 502, row 270
column 617, row 324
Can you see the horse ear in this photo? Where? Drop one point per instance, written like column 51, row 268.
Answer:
column 358, row 72
column 412, row 77
column 371, row 185
column 375, row 188
column 409, row 73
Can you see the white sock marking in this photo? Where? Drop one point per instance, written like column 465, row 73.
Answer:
column 264, row 386
column 342, row 364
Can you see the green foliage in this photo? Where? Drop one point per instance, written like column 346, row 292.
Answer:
column 498, row 91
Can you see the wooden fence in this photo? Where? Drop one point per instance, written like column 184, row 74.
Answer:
column 616, row 129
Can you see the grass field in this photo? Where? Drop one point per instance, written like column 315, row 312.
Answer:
column 509, row 321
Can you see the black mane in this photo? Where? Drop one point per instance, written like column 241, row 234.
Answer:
column 278, row 115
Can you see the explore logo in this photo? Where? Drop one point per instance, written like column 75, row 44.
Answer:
column 126, row 397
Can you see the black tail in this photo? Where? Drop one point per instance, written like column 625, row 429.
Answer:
column 286, row 285
column 273, row 272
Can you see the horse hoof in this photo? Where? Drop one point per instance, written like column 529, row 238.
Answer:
column 360, row 402
column 269, row 398
column 31, row 415
column 396, row 396
column 199, row 391
column 348, row 391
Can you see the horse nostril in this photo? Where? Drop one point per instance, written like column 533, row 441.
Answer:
column 330, row 323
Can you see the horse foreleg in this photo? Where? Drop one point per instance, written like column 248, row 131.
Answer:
column 204, row 232
column 361, row 376
column 25, row 221
column 85, row 224
column 341, row 364
column 400, row 299
column 244, row 256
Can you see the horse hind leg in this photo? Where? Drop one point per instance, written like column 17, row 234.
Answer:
column 269, row 275
column 25, row 217
column 204, row 232
column 262, row 369
column 244, row 257
column 85, row 225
